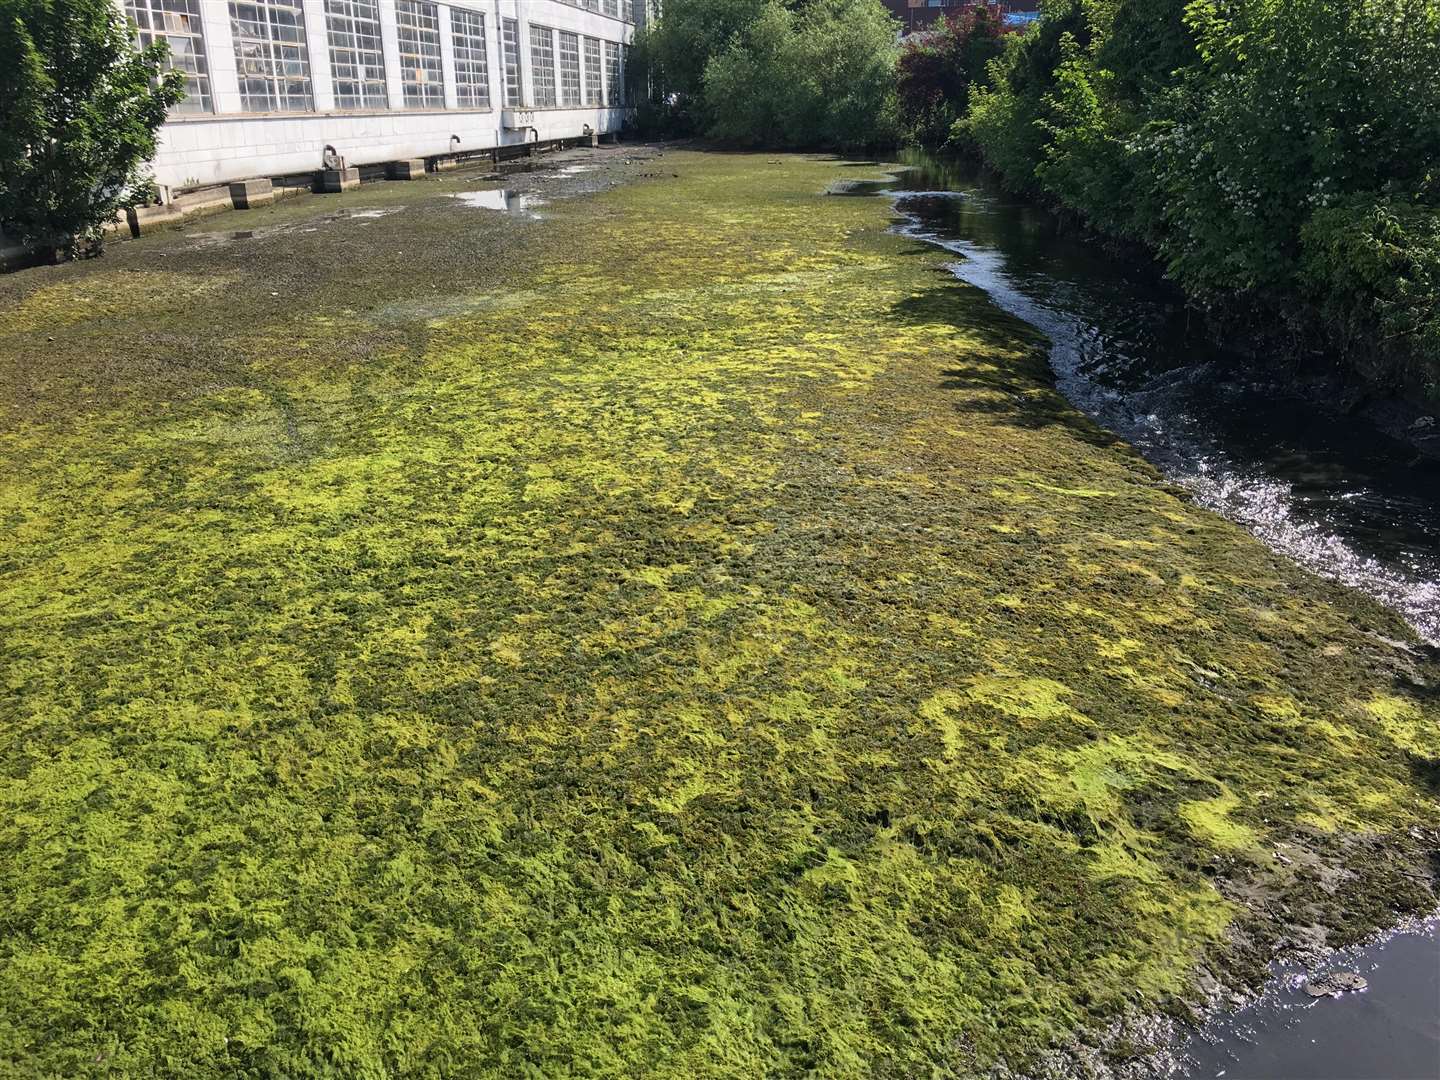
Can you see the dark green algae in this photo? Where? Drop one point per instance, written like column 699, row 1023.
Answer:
column 683, row 635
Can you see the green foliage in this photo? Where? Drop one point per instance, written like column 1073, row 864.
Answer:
column 82, row 106
column 817, row 75
column 1375, row 262
column 1217, row 131
column 1004, row 122
column 938, row 69
column 686, row 636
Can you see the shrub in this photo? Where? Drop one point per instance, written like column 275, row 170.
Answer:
column 1225, row 132
column 937, row 70
column 82, row 105
column 817, row 76
column 1373, row 264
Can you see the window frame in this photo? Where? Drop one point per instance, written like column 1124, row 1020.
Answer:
column 547, row 92
column 277, row 58
column 571, row 89
column 181, row 21
column 472, row 59
column 355, row 41
column 614, row 75
column 420, row 20
column 512, row 73
column 594, row 73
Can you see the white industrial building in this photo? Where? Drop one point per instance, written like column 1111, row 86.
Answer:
column 274, row 86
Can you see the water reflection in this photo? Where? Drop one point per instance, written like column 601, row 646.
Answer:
column 1331, row 491
column 500, row 199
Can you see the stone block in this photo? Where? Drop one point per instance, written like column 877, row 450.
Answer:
column 148, row 219
column 246, row 194
column 409, row 169
column 333, row 180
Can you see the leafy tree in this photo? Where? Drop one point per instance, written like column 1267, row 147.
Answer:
column 805, row 73
column 82, row 105
column 1280, row 156
column 937, row 70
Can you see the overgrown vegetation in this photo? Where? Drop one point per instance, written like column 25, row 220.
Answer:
column 938, row 67
column 1281, row 158
column 683, row 636
column 81, row 108
column 773, row 73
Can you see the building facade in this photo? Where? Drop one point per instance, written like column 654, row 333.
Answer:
column 275, row 87
column 917, row 16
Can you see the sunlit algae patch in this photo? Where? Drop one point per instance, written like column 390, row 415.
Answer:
column 681, row 635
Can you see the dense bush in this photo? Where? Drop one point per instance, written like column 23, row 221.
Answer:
column 816, row 74
column 937, row 70
column 1279, row 154
column 81, row 109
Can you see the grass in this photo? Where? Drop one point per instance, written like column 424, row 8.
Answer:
column 682, row 636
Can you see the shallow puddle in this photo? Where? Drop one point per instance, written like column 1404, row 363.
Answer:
column 500, row 199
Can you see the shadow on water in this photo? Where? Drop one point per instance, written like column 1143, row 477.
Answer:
column 1330, row 490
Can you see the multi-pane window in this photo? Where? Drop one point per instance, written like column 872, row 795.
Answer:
column 177, row 22
column 569, row 68
column 357, row 63
column 417, row 26
column 271, row 63
column 614, row 80
column 510, row 60
column 612, row 8
column 542, row 64
column 593, row 95
column 472, row 70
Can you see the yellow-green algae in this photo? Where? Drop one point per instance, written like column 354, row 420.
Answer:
column 683, row 636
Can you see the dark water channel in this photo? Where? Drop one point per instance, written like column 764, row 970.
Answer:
column 1328, row 489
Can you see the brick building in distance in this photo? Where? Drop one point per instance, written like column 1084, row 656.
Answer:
column 916, row 15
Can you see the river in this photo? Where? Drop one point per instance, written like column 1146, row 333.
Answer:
column 1326, row 488
column 1251, row 442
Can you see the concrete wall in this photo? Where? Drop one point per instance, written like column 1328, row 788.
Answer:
column 230, row 144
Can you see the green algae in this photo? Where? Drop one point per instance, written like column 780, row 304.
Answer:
column 684, row 636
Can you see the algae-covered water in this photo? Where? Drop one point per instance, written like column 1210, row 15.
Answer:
column 1324, row 487
column 680, row 633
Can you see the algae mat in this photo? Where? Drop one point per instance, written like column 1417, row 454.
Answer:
column 683, row 635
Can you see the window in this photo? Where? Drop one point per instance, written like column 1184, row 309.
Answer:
column 472, row 72
column 569, row 68
column 614, row 87
column 510, row 60
column 271, row 63
column 612, row 8
column 417, row 25
column 178, row 23
column 356, row 61
column 542, row 64
column 593, row 94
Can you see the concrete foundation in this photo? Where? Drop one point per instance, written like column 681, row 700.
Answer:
column 409, row 169
column 335, row 180
column 246, row 194
column 147, row 219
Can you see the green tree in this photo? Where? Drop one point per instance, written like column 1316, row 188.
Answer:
column 774, row 72
column 82, row 105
